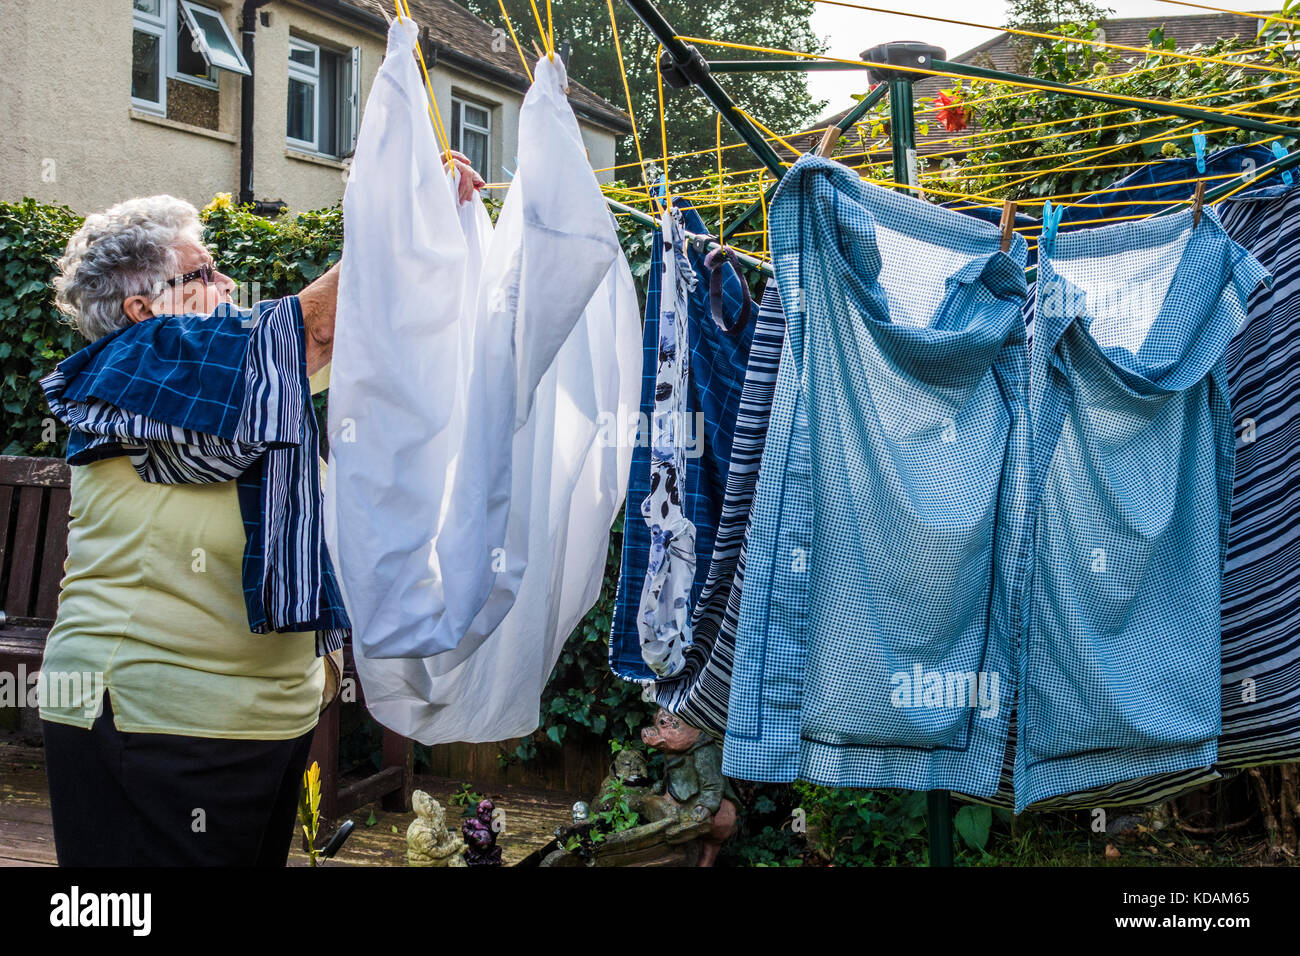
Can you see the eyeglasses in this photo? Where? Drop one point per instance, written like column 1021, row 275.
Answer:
column 205, row 272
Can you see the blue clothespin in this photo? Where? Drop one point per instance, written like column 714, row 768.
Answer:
column 1198, row 140
column 1051, row 223
column 659, row 193
column 1280, row 153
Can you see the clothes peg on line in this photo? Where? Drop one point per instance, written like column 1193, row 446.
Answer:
column 1008, row 224
column 829, row 139
column 1198, row 202
column 1198, row 140
column 1279, row 152
column 1051, row 222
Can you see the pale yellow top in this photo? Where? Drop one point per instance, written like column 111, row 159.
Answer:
column 152, row 600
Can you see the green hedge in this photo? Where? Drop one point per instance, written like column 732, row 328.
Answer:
column 32, row 339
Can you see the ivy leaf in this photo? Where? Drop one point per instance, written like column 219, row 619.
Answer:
column 972, row 824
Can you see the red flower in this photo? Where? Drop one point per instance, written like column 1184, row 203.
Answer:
column 951, row 115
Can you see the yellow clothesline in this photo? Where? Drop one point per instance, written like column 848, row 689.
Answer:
column 724, row 189
column 1033, row 34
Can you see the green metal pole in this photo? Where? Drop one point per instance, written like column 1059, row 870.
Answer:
column 713, row 92
column 1172, row 109
column 939, row 810
column 902, row 134
column 777, row 66
column 1050, row 86
column 653, row 223
column 902, row 131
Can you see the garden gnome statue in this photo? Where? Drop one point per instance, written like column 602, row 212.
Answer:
column 481, row 837
column 693, row 779
column 629, row 778
column 428, row 841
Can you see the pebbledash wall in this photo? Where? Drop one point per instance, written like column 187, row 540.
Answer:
column 73, row 137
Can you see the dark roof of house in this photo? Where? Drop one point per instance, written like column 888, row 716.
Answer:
column 1000, row 53
column 453, row 35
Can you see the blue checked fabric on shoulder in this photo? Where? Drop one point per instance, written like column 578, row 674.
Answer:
column 717, row 363
column 889, row 537
column 207, row 398
column 1133, row 471
column 699, row 694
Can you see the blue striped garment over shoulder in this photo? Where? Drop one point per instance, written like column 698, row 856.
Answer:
column 1133, row 471
column 888, row 541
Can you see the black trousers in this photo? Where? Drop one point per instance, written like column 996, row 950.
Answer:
column 122, row 799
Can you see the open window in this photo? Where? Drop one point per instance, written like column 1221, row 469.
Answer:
column 177, row 40
column 210, row 38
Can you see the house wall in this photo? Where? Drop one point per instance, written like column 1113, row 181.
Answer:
column 73, row 138
column 279, row 171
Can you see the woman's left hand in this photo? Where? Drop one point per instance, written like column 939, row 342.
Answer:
column 470, row 181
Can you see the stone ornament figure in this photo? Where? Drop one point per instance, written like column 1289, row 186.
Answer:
column 428, row 841
column 693, row 783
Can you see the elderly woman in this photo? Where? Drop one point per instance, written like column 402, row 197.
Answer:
column 197, row 584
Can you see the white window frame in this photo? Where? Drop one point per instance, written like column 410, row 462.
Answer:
column 154, row 26
column 238, row 64
column 458, row 104
column 311, row 75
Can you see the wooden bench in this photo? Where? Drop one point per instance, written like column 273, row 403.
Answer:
column 33, row 545
column 393, row 784
column 34, row 500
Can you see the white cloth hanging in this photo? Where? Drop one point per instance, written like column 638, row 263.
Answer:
column 552, row 247
column 396, row 404
column 568, row 376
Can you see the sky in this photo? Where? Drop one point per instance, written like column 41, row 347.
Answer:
column 849, row 31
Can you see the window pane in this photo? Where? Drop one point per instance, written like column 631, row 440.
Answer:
column 151, row 7
column 145, row 74
column 189, row 61
column 329, row 103
column 456, row 106
column 307, row 57
column 302, row 111
column 214, row 31
column 475, row 147
column 476, row 117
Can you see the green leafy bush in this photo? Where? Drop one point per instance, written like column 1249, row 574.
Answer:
column 1017, row 159
column 33, row 338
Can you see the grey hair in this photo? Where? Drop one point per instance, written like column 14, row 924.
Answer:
column 129, row 249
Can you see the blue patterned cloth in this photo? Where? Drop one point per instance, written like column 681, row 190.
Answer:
column 699, row 695
column 205, row 398
column 1133, row 470
column 1260, row 608
column 717, row 374
column 889, row 540
column 664, row 617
